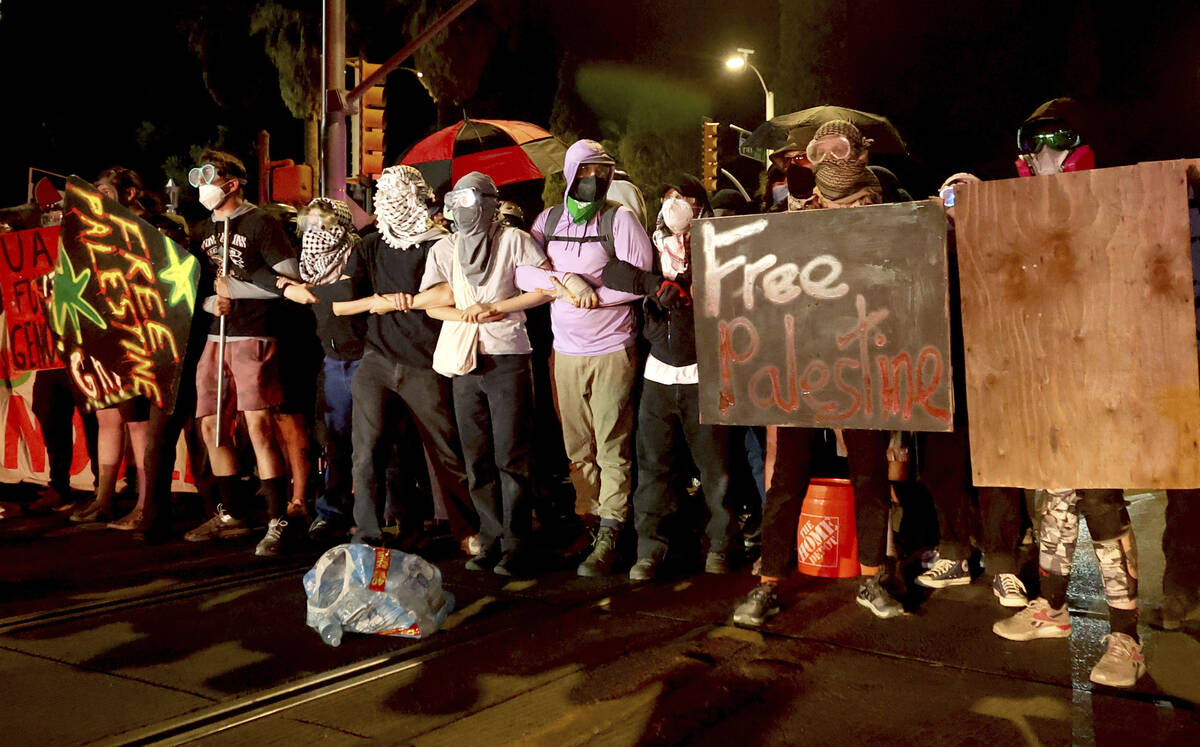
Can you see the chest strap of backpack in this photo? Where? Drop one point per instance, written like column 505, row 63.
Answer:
column 608, row 215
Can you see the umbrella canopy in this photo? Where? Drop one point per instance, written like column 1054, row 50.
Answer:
column 774, row 133
column 505, row 150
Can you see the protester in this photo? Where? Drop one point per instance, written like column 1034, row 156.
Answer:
column 945, row 471
column 1051, row 142
column 838, row 157
column 595, row 335
column 328, row 239
column 259, row 252
column 470, row 284
column 669, row 412
column 396, row 368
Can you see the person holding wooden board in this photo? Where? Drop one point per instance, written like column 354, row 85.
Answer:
column 838, row 157
column 1050, row 143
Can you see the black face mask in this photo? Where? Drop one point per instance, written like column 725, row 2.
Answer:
column 800, row 181
column 589, row 189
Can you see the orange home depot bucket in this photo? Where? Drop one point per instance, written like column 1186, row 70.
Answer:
column 826, row 541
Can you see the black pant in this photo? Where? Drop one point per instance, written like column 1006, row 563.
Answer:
column 789, row 467
column 946, row 474
column 1181, row 544
column 669, row 420
column 494, row 408
column 426, row 394
column 55, row 399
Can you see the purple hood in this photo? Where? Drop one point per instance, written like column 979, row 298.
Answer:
column 583, row 151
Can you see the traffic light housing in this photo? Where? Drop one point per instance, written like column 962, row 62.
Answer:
column 370, row 124
column 708, row 155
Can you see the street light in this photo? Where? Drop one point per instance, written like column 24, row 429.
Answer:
column 741, row 61
column 421, row 79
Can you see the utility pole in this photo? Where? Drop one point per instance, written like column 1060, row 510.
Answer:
column 339, row 103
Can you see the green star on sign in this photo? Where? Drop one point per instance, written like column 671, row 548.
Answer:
column 180, row 275
column 68, row 298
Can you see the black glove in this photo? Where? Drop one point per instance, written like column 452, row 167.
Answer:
column 671, row 295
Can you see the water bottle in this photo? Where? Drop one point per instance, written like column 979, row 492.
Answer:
column 331, row 632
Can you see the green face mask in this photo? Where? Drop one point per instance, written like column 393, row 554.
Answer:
column 582, row 212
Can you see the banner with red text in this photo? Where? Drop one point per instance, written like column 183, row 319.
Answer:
column 27, row 259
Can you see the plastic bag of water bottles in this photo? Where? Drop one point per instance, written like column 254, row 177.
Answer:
column 363, row 589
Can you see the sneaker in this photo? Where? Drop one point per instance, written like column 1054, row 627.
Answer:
column 510, row 564
column 97, row 511
column 603, row 556
column 643, row 570
column 484, row 560
column 271, row 545
column 1009, row 590
column 1174, row 610
column 1037, row 620
column 946, row 572
column 322, row 530
column 759, row 604
column 716, row 563
column 48, row 499
column 220, row 526
column 134, row 521
column 874, row 597
column 1122, row 663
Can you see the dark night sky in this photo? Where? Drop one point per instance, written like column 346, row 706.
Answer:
column 82, row 78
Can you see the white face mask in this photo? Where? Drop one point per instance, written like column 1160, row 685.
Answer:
column 677, row 214
column 211, row 196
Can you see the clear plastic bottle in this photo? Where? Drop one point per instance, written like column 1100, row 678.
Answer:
column 331, row 632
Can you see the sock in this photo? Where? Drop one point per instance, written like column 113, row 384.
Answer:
column 1054, row 588
column 226, row 489
column 275, row 491
column 1124, row 621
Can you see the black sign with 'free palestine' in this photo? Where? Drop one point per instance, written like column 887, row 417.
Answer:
column 825, row 318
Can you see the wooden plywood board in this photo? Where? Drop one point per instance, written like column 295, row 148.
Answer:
column 826, row 318
column 1079, row 329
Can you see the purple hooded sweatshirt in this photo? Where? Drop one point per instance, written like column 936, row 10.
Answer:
column 610, row 326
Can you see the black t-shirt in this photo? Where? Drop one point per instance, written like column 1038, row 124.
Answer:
column 375, row 267
column 257, row 243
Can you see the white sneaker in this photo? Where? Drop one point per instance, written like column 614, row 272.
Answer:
column 269, row 546
column 1122, row 664
column 1037, row 620
column 1009, row 590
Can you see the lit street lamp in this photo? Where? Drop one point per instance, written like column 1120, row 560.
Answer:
column 739, row 62
column 421, row 78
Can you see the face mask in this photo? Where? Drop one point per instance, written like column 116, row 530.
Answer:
column 589, row 189
column 779, row 193
column 211, row 196
column 800, row 182
column 677, row 214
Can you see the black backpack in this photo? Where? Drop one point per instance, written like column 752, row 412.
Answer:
column 607, row 215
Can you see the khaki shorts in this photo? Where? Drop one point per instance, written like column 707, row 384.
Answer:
column 251, row 377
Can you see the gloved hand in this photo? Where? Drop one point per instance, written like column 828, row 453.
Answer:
column 666, row 293
column 574, row 290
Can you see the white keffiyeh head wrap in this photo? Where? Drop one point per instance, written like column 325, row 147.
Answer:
column 401, row 200
column 327, row 238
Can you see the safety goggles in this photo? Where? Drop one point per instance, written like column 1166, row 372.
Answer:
column 203, row 174
column 466, row 197
column 828, row 146
column 1060, row 139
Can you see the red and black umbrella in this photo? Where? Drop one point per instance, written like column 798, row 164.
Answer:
column 505, row 150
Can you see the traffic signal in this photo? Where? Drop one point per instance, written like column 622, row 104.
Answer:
column 708, row 149
column 369, row 144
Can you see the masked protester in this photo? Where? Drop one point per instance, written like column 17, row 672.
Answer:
column 470, row 278
column 790, row 179
column 259, row 252
column 1051, row 142
column 595, row 334
column 837, row 155
column 669, row 412
column 396, row 369
column 327, row 239
column 945, row 471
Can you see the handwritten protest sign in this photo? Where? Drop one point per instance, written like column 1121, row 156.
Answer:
column 825, row 318
column 1079, row 327
column 123, row 300
column 26, row 259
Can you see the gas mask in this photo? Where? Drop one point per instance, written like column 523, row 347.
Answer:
column 800, row 182
column 591, row 188
column 1052, row 147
